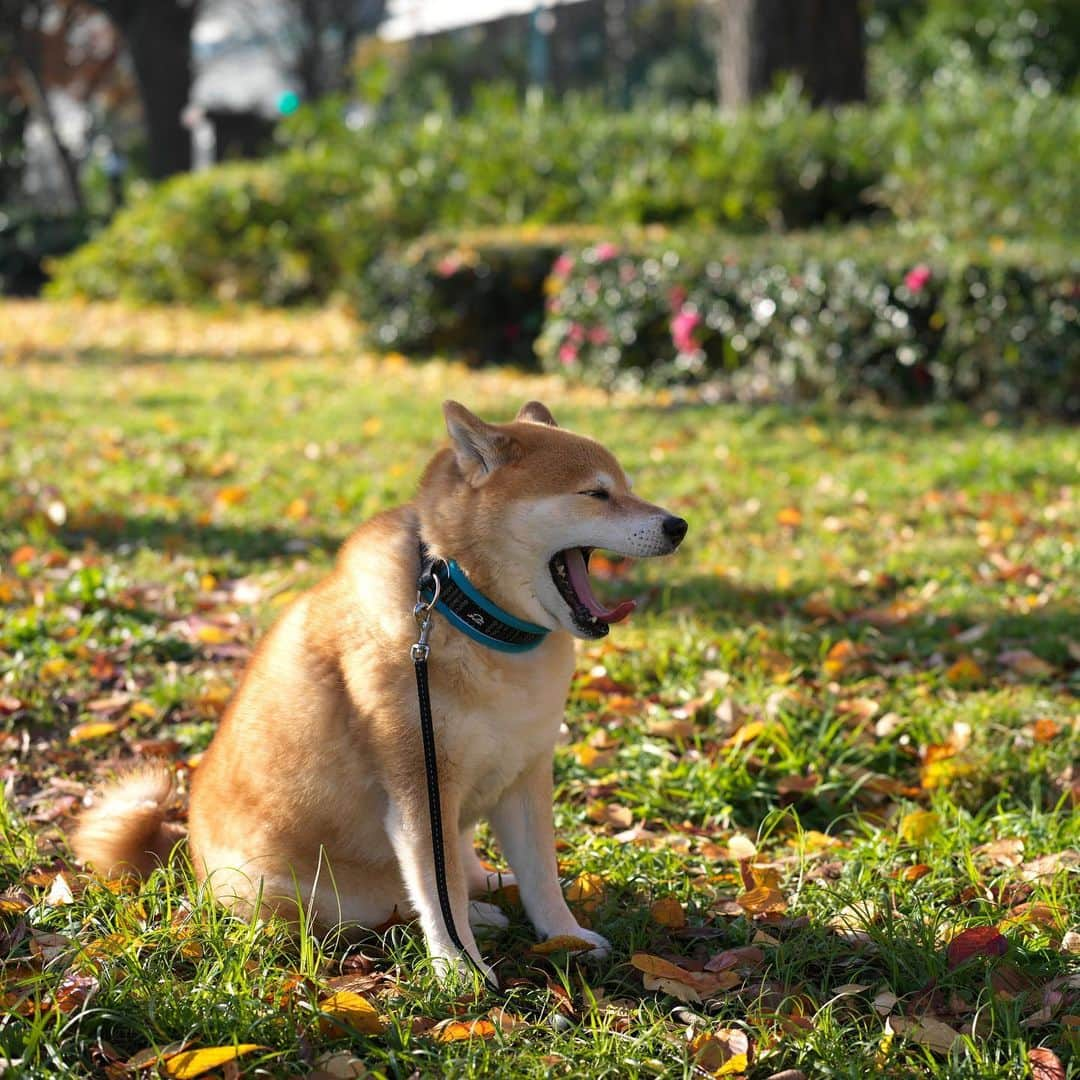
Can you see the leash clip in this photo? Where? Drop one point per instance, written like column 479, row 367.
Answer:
column 422, row 614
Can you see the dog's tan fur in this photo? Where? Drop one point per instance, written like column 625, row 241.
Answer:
column 313, row 787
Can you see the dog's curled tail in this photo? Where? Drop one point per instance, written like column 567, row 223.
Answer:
column 125, row 831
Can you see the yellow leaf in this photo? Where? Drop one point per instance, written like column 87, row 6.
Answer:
column 56, row 668
column 212, row 635
column 196, row 1062
column 587, row 891
column 143, row 710
column 918, row 825
column 561, row 943
column 96, row 729
column 231, row 495
column 371, row 426
column 297, row 510
column 668, row 912
column 755, row 729
column 590, row 757
column 352, row 1009
column 791, row 516
column 843, row 657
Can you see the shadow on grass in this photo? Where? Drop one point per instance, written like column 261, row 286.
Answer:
column 116, row 533
column 122, row 357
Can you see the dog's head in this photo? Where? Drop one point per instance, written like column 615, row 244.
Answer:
column 522, row 506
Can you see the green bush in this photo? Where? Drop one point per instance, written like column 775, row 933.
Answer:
column 821, row 316
column 478, row 295
column 983, row 156
column 270, row 231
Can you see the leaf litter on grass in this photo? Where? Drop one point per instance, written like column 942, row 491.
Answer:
column 863, row 661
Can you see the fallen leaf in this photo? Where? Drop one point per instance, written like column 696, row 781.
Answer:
column 755, row 729
column 723, row 1052
column 672, row 728
column 790, row 517
column 688, row 986
column 230, row 495
column 1045, row 1064
column 927, row 1031
column 918, row 826
column 461, row 1030
column 190, row 1063
column 95, row 729
column 964, row 671
column 843, row 657
column 976, row 941
column 561, row 943
column 1025, row 662
column 744, row 956
column 762, row 901
column 352, row 1009
column 619, row 817
column 59, row 893
column 668, row 912
column 587, row 891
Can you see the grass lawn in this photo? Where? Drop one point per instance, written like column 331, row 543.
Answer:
column 829, row 773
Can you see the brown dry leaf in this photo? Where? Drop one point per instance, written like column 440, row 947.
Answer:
column 561, row 943
column 744, row 956
column 764, row 900
column 1045, row 1064
column 618, row 817
column 985, row 941
column 1005, row 851
column 687, row 986
column 927, row 1031
column 1025, row 662
column 797, row 785
column 668, row 912
column 672, row 728
column 338, row 1065
column 587, row 891
column 461, row 1030
column 914, row 873
column 191, row 1063
column 1048, row 865
column 94, row 729
column 723, row 1052
column 353, row 1010
column 1044, row 730
column 47, row 947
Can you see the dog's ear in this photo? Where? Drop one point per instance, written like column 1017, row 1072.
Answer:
column 479, row 448
column 536, row 412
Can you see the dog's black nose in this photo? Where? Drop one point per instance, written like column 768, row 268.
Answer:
column 674, row 529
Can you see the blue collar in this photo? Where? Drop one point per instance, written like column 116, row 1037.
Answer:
column 470, row 611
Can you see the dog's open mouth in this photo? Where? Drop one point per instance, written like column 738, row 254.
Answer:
column 570, row 572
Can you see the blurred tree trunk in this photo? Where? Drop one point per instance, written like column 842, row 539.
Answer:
column 158, row 36
column 821, row 41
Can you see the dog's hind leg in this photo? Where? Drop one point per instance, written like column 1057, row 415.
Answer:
column 479, row 879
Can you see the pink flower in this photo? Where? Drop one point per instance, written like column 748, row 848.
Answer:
column 677, row 296
column 448, row 266
column 598, row 336
column 603, row 252
column 577, row 333
column 917, row 277
column 567, row 354
column 563, row 265
column 682, row 329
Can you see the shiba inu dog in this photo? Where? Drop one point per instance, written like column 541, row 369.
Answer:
column 313, row 788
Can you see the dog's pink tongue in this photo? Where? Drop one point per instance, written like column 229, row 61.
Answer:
column 579, row 578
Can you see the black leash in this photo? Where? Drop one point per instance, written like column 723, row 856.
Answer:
column 420, row 652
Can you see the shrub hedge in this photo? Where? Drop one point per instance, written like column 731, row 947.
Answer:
column 804, row 315
column 823, row 316
column 980, row 156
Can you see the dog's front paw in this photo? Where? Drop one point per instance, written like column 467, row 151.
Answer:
column 453, row 969
column 601, row 947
